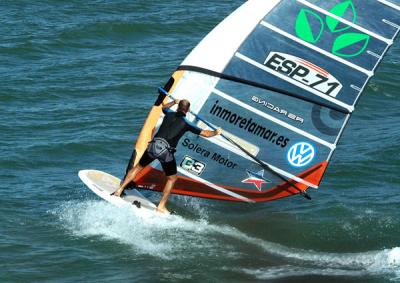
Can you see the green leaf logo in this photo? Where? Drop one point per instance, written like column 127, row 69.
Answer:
column 341, row 10
column 350, row 44
column 305, row 20
column 310, row 27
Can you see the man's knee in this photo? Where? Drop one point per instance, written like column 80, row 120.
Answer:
column 172, row 178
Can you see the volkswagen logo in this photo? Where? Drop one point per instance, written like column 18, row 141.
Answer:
column 301, row 154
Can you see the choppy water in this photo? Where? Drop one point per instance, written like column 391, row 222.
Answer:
column 77, row 79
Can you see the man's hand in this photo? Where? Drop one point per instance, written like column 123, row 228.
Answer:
column 209, row 134
column 171, row 103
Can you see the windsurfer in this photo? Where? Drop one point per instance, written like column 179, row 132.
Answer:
column 162, row 147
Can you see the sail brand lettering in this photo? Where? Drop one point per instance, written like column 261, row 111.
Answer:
column 248, row 125
column 277, row 109
column 214, row 156
column 303, row 72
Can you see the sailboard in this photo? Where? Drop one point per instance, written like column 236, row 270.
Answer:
column 281, row 78
column 104, row 184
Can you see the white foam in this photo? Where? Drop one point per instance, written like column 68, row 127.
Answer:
column 196, row 205
column 94, row 218
column 293, row 271
column 143, row 233
column 146, row 233
column 372, row 262
column 394, row 257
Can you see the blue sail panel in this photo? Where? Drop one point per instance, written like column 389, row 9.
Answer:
column 319, row 121
column 212, row 159
column 325, row 33
column 374, row 16
column 273, row 138
column 300, row 70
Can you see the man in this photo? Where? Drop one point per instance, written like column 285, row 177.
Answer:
column 162, row 147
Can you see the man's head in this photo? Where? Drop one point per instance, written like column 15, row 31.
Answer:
column 184, row 106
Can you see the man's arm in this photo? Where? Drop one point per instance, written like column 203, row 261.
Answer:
column 209, row 134
column 170, row 104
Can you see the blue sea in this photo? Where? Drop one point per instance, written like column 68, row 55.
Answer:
column 77, row 81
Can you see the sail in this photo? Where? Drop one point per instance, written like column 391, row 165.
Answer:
column 282, row 79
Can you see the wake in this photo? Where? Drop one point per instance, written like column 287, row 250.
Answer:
column 142, row 233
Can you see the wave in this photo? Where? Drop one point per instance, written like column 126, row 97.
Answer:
column 142, row 233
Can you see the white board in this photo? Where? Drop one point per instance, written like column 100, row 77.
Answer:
column 104, row 184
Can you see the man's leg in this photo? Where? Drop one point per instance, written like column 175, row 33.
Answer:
column 166, row 192
column 129, row 178
column 170, row 171
column 143, row 162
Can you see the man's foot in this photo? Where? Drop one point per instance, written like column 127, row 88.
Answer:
column 163, row 210
column 118, row 193
column 132, row 185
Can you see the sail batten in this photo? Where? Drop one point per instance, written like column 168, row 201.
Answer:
column 390, row 4
column 262, row 86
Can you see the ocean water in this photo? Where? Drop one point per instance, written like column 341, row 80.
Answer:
column 77, row 80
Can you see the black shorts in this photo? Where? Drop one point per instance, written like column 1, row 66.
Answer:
column 168, row 167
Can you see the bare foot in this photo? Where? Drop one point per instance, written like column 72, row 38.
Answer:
column 117, row 193
column 163, row 210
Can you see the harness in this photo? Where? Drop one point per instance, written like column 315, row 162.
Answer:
column 160, row 149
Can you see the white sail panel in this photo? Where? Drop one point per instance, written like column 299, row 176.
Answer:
column 217, row 48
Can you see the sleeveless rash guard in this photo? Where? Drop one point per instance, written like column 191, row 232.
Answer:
column 162, row 147
column 174, row 126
